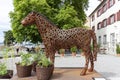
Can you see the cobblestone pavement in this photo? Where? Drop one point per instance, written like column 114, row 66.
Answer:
column 107, row 65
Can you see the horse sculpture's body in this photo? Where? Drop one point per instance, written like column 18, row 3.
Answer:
column 55, row 38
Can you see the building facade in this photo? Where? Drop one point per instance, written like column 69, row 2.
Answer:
column 105, row 19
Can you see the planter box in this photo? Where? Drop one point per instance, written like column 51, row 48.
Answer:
column 23, row 71
column 44, row 73
column 8, row 75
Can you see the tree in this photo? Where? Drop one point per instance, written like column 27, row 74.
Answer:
column 8, row 38
column 64, row 13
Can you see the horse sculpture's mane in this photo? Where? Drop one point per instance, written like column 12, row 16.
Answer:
column 46, row 18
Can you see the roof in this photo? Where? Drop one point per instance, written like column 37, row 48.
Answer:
column 98, row 7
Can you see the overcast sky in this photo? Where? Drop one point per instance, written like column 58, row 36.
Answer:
column 6, row 6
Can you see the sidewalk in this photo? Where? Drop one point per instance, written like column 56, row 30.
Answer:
column 107, row 65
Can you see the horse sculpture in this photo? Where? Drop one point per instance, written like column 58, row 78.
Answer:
column 55, row 38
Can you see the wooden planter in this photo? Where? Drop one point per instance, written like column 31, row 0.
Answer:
column 23, row 71
column 44, row 73
column 8, row 75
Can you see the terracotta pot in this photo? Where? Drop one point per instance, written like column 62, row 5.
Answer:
column 82, row 54
column 73, row 54
column 118, row 55
column 8, row 75
column 62, row 55
column 44, row 73
column 23, row 71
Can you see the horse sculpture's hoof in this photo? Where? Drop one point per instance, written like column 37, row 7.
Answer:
column 90, row 70
column 83, row 72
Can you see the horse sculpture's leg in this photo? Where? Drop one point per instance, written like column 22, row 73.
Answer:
column 52, row 56
column 92, row 63
column 87, row 57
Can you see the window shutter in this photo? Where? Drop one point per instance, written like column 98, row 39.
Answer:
column 108, row 21
column 118, row 16
column 102, row 24
column 113, row 1
column 114, row 17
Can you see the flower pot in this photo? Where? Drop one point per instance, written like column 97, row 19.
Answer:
column 8, row 75
column 62, row 54
column 73, row 54
column 118, row 55
column 23, row 71
column 44, row 73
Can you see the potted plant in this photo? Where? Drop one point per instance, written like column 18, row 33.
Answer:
column 118, row 50
column 62, row 52
column 44, row 68
column 81, row 52
column 24, row 67
column 73, row 50
column 4, row 73
column 36, row 58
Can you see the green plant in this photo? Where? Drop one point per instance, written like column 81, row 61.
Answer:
column 73, row 49
column 26, row 59
column 37, row 55
column 62, row 51
column 44, row 62
column 3, row 69
column 118, row 49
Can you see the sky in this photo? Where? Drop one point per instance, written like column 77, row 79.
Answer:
column 7, row 5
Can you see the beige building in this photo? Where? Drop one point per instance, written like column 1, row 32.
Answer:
column 106, row 21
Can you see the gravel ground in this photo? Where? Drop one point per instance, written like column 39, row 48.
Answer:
column 107, row 65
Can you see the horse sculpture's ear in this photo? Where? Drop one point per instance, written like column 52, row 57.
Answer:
column 33, row 13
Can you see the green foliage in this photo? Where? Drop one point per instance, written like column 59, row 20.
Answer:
column 73, row 49
column 65, row 14
column 44, row 62
column 37, row 55
column 62, row 51
column 118, row 49
column 67, row 18
column 26, row 59
column 3, row 69
column 8, row 38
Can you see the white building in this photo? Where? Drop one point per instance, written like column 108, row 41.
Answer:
column 105, row 19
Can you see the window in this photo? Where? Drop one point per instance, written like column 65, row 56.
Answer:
column 99, row 25
column 105, row 23
column 111, row 2
column 118, row 15
column 104, row 8
column 99, row 12
column 104, row 39
column 93, row 28
column 99, row 40
column 112, row 39
column 93, row 17
column 112, row 19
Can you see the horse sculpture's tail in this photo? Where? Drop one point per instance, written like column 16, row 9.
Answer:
column 95, row 47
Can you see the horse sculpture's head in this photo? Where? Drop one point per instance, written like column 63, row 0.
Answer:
column 29, row 19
